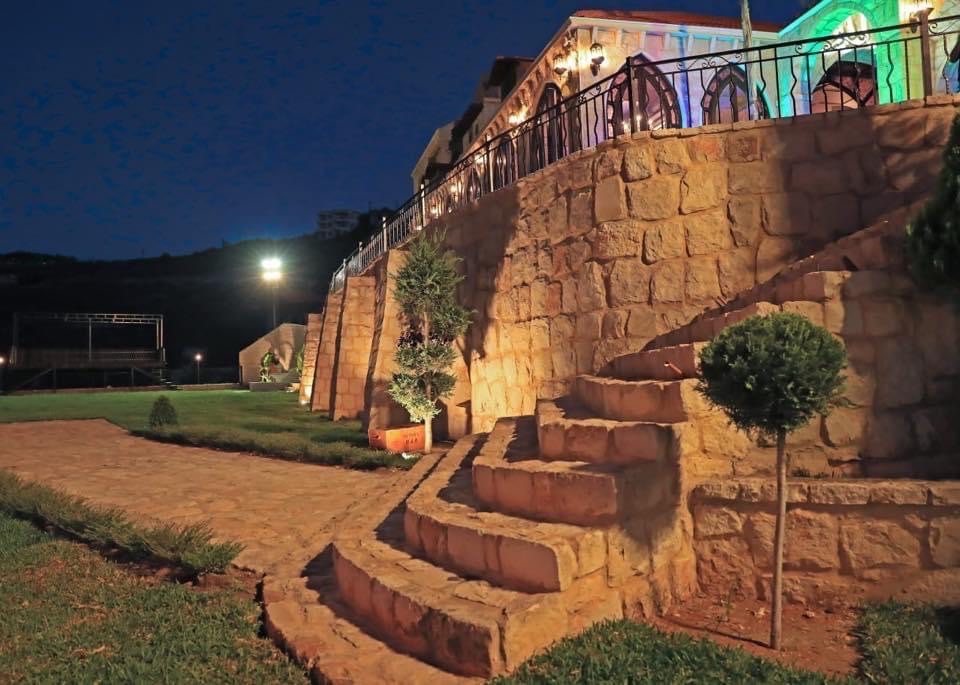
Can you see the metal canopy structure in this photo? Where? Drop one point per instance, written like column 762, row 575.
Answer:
column 48, row 340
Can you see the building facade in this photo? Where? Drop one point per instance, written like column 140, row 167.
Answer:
column 334, row 222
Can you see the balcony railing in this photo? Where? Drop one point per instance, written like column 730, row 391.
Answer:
column 830, row 73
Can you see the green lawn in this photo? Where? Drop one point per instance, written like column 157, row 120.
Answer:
column 69, row 616
column 273, row 424
column 899, row 643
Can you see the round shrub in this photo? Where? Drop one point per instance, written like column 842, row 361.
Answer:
column 163, row 414
column 773, row 373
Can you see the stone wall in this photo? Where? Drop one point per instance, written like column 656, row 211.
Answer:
column 846, row 540
column 321, row 397
column 601, row 252
column 311, row 347
column 383, row 411
column 284, row 341
column 353, row 348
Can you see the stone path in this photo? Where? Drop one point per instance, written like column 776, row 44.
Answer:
column 284, row 513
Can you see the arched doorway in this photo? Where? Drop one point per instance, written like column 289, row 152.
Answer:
column 726, row 98
column 845, row 85
column 656, row 100
column 548, row 136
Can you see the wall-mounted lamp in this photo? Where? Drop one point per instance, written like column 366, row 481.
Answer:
column 560, row 64
column 596, row 58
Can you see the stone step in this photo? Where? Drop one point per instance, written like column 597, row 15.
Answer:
column 467, row 627
column 306, row 618
column 648, row 402
column 663, row 364
column 508, row 476
column 445, row 524
column 568, row 432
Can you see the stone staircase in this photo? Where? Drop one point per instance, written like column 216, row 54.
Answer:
column 555, row 521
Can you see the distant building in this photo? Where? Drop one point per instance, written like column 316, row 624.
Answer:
column 450, row 140
column 334, row 222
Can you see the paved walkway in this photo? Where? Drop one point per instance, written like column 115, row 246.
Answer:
column 283, row 512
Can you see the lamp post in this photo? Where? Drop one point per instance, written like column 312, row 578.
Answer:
column 198, row 358
column 272, row 274
column 3, row 363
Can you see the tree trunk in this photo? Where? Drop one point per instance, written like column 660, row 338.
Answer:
column 427, row 435
column 745, row 24
column 428, row 421
column 776, row 615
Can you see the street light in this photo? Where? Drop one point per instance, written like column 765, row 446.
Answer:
column 272, row 274
column 3, row 363
column 198, row 358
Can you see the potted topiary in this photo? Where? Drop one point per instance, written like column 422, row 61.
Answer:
column 771, row 375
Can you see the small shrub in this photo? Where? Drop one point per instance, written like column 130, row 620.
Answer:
column 163, row 414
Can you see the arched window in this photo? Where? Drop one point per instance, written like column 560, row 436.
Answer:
column 845, row 85
column 548, row 139
column 725, row 100
column 655, row 100
column 504, row 169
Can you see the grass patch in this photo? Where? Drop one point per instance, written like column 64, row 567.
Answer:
column 72, row 617
column 271, row 424
column 627, row 652
column 910, row 644
column 190, row 548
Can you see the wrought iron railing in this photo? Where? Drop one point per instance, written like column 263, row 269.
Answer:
column 837, row 72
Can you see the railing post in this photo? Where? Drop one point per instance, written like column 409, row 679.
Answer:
column 423, row 205
column 633, row 120
column 926, row 61
column 383, row 233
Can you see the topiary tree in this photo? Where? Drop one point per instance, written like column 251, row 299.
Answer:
column 933, row 237
column 772, row 374
column 268, row 360
column 299, row 360
column 425, row 288
column 163, row 414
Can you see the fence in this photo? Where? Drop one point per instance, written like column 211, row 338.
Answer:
column 837, row 72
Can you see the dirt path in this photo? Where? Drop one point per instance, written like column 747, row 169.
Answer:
column 283, row 512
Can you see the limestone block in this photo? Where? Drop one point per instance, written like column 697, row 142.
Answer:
column 701, row 282
column 617, row 239
column 655, row 198
column 537, row 566
column 707, row 232
column 811, row 310
column 581, row 215
column 667, row 285
column 844, row 426
column 900, row 373
column 865, row 167
column 638, row 162
column 838, row 492
column 609, row 201
column 822, row 285
column 704, row 148
column 939, row 338
column 671, row 156
column 835, row 215
column 786, row 214
column 843, row 318
column 736, row 270
column 642, row 323
column 703, row 187
column 629, row 282
column 937, row 127
column 756, row 177
column 663, row 240
column 725, row 563
column 889, row 435
column 895, row 133
column 877, row 543
column 608, row 164
column 591, row 290
column 799, row 144
column 628, row 554
column 744, row 146
column 882, row 316
column 514, row 490
column 935, row 428
column 913, row 172
column 773, row 255
column 710, row 521
column 945, row 493
column 574, row 174
column 812, row 541
column 897, row 492
column 852, row 132
column 821, row 177
column 744, row 213
column 530, row 631
column 587, row 442
column 615, row 322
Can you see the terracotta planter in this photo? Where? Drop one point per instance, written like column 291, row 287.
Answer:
column 409, row 438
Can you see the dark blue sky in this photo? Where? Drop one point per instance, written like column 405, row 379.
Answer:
column 136, row 128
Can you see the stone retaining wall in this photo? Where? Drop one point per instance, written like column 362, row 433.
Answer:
column 311, row 348
column 320, row 397
column 846, row 540
column 353, row 348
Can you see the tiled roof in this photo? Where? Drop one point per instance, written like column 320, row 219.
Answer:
column 678, row 18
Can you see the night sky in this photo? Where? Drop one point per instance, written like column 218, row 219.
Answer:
column 136, row 128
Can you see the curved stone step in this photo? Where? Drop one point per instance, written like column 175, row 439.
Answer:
column 467, row 627
column 510, row 478
column 649, row 402
column 445, row 524
column 662, row 364
column 568, row 432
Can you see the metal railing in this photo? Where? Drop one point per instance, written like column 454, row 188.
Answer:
column 829, row 73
